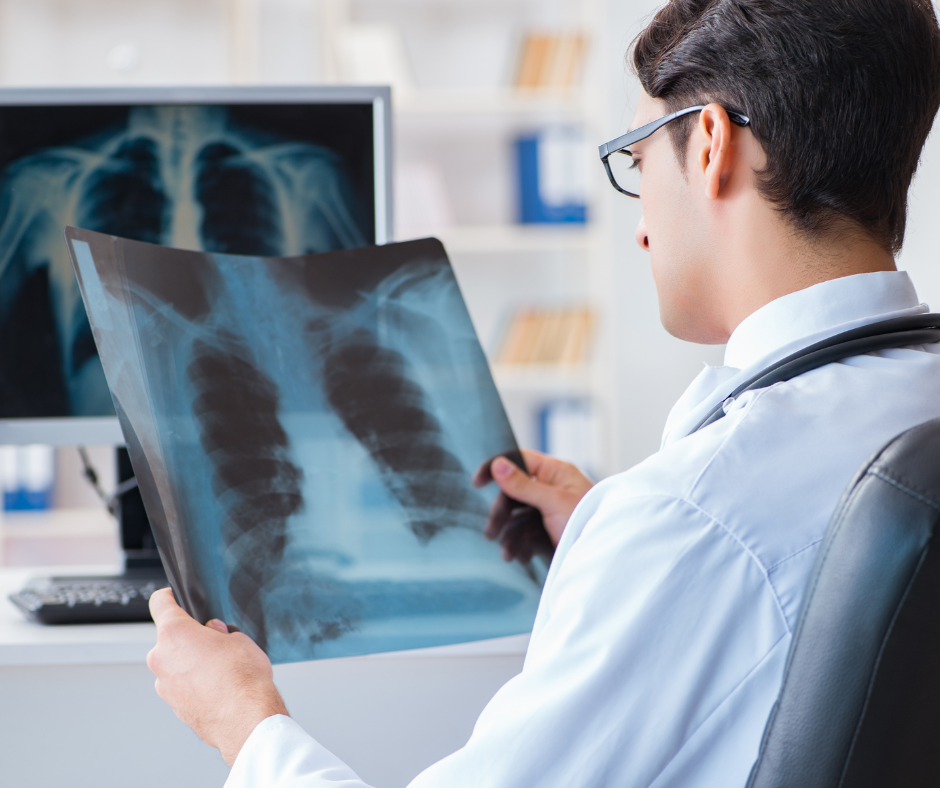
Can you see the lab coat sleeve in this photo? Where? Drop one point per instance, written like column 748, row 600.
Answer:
column 658, row 649
column 281, row 754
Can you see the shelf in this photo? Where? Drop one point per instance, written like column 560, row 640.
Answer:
column 492, row 239
column 504, row 102
column 57, row 523
column 58, row 536
column 550, row 379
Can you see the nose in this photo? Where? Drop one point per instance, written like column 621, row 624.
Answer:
column 642, row 239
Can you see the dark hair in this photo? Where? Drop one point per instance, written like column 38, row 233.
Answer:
column 841, row 95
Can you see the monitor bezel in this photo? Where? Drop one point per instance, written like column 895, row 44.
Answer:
column 78, row 431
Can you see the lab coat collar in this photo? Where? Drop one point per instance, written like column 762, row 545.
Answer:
column 787, row 325
column 823, row 310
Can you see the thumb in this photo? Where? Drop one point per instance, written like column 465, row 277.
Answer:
column 163, row 607
column 519, row 485
column 218, row 625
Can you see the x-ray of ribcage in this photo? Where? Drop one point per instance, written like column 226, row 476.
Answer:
column 184, row 176
column 304, row 431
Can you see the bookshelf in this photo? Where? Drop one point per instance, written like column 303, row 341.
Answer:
column 515, row 238
column 550, row 379
column 459, row 109
column 506, row 104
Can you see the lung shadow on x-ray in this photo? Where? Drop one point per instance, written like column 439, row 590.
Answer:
column 370, row 389
column 126, row 194
column 240, row 214
column 236, row 407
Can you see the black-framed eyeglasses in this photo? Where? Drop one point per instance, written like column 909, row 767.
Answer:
column 622, row 170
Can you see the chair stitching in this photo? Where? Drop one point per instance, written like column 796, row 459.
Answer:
column 905, row 486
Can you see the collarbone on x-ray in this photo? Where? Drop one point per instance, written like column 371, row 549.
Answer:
column 317, row 421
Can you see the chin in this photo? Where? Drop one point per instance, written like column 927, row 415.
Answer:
column 688, row 324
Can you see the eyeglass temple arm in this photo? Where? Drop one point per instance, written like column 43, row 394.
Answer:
column 643, row 132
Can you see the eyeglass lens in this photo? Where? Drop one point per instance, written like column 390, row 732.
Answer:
column 625, row 171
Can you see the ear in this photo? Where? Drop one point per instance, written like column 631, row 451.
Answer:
column 712, row 151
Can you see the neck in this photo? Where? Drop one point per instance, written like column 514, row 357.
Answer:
column 774, row 259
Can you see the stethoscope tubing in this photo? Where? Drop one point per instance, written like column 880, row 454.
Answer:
column 894, row 333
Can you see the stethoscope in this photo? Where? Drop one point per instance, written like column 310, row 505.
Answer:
column 894, row 333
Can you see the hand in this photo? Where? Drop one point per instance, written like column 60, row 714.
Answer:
column 219, row 683
column 554, row 488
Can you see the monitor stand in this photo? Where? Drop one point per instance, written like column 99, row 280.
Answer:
column 137, row 542
column 141, row 558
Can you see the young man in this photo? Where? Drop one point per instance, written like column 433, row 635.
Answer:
column 772, row 212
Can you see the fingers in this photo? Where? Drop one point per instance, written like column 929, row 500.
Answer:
column 220, row 626
column 500, row 512
column 550, row 485
column 163, row 608
column 553, row 471
column 519, row 485
column 482, row 475
column 542, row 466
column 524, row 537
column 514, row 541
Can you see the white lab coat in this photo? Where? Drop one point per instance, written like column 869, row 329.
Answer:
column 660, row 641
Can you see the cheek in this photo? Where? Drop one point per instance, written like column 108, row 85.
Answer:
column 669, row 225
column 661, row 202
column 671, row 230
column 663, row 233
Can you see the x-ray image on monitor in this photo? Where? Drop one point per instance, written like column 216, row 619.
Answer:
column 304, row 431
column 262, row 179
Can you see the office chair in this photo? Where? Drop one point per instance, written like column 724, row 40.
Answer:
column 860, row 701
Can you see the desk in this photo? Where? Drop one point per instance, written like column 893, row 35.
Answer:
column 78, row 709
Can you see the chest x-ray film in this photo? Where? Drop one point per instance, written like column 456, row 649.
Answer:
column 265, row 179
column 304, row 432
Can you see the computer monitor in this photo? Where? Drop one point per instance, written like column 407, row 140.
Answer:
column 243, row 170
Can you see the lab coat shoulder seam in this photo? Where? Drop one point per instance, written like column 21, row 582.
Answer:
column 794, row 554
column 690, row 504
column 764, row 571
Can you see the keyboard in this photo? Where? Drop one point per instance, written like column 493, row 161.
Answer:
column 90, row 600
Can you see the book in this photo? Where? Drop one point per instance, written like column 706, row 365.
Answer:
column 551, row 167
column 551, row 61
column 547, row 336
column 304, row 431
column 27, row 477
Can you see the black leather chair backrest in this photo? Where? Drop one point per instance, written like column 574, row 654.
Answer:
column 860, row 701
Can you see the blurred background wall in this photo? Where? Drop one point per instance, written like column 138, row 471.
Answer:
column 464, row 102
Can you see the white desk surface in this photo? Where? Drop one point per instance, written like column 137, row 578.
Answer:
column 25, row 643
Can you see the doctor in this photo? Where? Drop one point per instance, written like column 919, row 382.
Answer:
column 771, row 215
